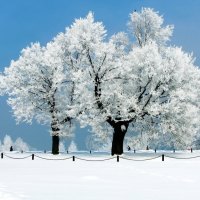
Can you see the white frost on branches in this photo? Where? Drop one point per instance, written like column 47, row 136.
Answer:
column 7, row 143
column 153, row 86
column 39, row 87
column 147, row 86
column 18, row 145
column 62, row 146
column 148, row 26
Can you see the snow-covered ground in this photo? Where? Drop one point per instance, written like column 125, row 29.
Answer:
column 38, row 179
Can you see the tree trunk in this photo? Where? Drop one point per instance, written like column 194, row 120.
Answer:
column 120, row 129
column 55, row 136
column 55, row 128
column 55, row 144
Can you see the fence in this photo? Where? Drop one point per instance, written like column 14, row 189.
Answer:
column 73, row 158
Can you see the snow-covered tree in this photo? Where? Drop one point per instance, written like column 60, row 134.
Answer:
column 148, row 26
column 37, row 84
column 20, row 145
column 7, row 143
column 72, row 147
column 151, row 86
column 99, row 138
column 145, row 86
column 62, row 146
column 97, row 143
column 0, row 146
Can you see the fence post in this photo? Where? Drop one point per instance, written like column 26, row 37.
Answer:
column 33, row 156
column 1, row 155
column 67, row 151
column 163, row 157
column 73, row 158
column 191, row 150
column 90, row 151
column 134, row 150
column 117, row 158
column 155, row 150
column 174, row 150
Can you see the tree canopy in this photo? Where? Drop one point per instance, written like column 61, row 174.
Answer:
column 133, row 78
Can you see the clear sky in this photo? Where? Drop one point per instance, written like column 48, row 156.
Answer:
column 26, row 21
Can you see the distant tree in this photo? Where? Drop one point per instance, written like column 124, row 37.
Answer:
column 99, row 139
column 196, row 143
column 0, row 146
column 72, row 147
column 20, row 145
column 62, row 146
column 7, row 143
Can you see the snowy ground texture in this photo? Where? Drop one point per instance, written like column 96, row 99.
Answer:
column 39, row 179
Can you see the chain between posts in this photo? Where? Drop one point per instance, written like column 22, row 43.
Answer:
column 52, row 158
column 17, row 158
column 146, row 159
column 173, row 157
column 99, row 160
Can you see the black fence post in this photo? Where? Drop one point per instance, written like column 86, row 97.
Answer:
column 163, row 157
column 155, row 150
column 134, row 151
column 1, row 155
column 73, row 158
column 33, row 156
column 67, row 152
column 90, row 151
column 191, row 150
column 117, row 158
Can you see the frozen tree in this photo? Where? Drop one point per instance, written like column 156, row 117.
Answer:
column 99, row 138
column 151, row 86
column 61, row 146
column 96, row 143
column 146, row 86
column 7, row 143
column 20, row 145
column 72, row 147
column 0, row 146
column 37, row 84
column 147, row 26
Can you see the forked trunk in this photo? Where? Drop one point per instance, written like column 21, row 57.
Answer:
column 120, row 129
column 55, row 144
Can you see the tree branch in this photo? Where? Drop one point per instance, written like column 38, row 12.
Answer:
column 144, row 90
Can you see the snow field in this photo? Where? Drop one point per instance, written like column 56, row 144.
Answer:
column 60, row 180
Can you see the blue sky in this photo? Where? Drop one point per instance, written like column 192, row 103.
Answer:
column 26, row 21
